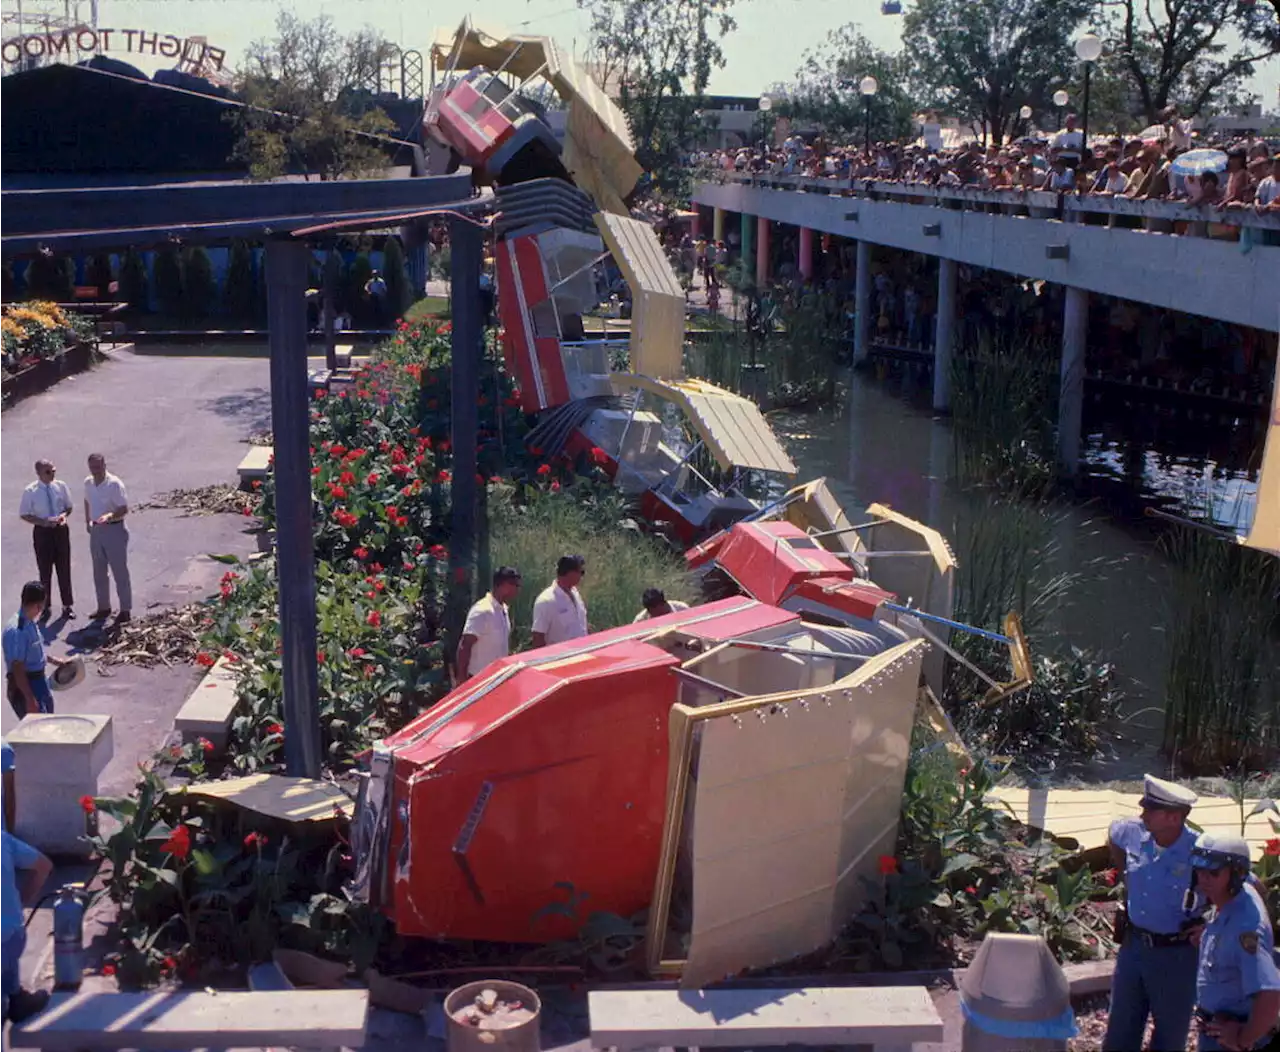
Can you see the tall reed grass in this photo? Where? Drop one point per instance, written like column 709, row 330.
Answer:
column 621, row 561
column 1222, row 694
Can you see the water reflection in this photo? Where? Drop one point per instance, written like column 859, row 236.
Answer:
column 884, row 447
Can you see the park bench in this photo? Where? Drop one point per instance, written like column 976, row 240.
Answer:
column 883, row 1018
column 197, row 1019
column 209, row 709
column 255, row 465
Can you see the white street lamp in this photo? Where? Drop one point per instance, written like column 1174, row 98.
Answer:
column 765, row 103
column 1025, row 113
column 868, row 85
column 1088, row 51
column 1061, row 98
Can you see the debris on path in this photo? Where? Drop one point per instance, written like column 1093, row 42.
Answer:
column 260, row 438
column 207, row 500
column 171, row 637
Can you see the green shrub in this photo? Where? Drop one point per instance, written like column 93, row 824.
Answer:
column 199, row 289
column 101, row 275
column 399, row 289
column 133, row 280
column 51, row 277
column 166, row 271
column 240, row 291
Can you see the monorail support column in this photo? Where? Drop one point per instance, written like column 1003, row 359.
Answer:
column 288, row 262
column 762, row 252
column 717, row 224
column 748, row 238
column 805, row 262
column 1075, row 333
column 945, row 337
column 861, row 302
column 695, row 223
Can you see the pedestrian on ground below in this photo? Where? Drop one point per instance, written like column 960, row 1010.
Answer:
column 23, row 872
column 559, row 612
column 106, row 503
column 486, row 636
column 656, row 604
column 25, row 659
column 46, row 504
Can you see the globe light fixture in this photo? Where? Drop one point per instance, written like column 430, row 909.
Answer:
column 1089, row 48
column 765, row 103
column 1088, row 51
column 868, row 86
column 1061, row 98
column 1025, row 113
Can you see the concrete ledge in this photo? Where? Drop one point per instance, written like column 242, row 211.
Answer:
column 208, row 711
column 1090, row 977
column 166, row 1020
column 256, row 464
column 888, row 1016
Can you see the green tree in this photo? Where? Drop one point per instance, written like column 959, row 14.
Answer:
column 101, row 275
column 1192, row 53
column 239, row 291
column 657, row 56
column 982, row 60
column 133, row 280
column 399, row 291
column 166, row 271
column 199, row 288
column 310, row 107
column 825, row 90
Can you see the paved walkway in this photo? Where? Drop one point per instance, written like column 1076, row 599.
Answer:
column 162, row 423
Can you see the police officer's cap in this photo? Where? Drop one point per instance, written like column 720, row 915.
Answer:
column 1215, row 850
column 1157, row 793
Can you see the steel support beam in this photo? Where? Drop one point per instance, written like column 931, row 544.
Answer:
column 287, row 265
column 1075, row 335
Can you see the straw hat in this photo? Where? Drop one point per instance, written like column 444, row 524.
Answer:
column 67, row 675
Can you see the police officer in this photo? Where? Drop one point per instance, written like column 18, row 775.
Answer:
column 1237, row 984
column 1156, row 967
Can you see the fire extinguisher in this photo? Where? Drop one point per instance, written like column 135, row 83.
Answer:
column 68, row 937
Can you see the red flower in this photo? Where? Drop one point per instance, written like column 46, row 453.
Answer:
column 1272, row 847
column 206, row 660
column 246, row 510
column 175, row 751
column 887, row 865
column 536, row 450
column 598, row 455
column 444, row 445
column 337, row 450
column 374, row 619
column 87, row 805
column 415, row 431
column 372, row 479
column 360, row 553
column 315, row 471
column 438, row 551
column 179, row 843
column 443, row 477
column 205, row 744
column 275, row 728
column 347, row 478
column 544, row 470
column 971, row 890
column 255, row 840
column 256, row 484
column 400, row 470
column 555, row 486
column 345, row 518
column 496, row 480
column 376, row 567
column 108, row 969
column 356, row 652
column 1109, row 876
column 320, row 656
column 337, row 492
column 169, row 964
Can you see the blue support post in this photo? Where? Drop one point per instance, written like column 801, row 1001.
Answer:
column 286, row 264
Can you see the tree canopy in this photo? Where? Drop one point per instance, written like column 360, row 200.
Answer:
column 310, row 107
column 982, row 60
column 826, row 88
column 657, row 56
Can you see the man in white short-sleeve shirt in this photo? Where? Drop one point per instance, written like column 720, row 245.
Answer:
column 656, row 604
column 487, row 634
column 559, row 612
column 105, row 506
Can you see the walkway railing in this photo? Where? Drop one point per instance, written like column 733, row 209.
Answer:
column 1041, row 204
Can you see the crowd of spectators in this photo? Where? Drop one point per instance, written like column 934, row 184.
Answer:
column 1137, row 168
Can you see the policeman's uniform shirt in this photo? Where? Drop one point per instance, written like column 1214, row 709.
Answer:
column 1156, row 878
column 489, row 621
column 559, row 615
column 1236, row 956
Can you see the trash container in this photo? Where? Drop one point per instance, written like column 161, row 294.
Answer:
column 492, row 1016
column 1016, row 998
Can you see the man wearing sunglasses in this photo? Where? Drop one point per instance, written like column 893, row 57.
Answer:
column 1156, row 968
column 1237, row 984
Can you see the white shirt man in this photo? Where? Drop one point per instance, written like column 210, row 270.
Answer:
column 486, row 636
column 1069, row 142
column 656, row 604
column 46, row 500
column 46, row 504
column 105, row 506
column 559, row 612
column 1268, row 193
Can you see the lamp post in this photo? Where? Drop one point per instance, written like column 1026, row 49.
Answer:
column 1060, row 99
column 766, row 104
column 868, row 86
column 1088, row 51
column 1025, row 114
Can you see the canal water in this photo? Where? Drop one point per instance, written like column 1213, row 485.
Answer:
column 886, row 445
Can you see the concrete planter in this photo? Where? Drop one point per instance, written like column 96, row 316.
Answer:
column 48, row 371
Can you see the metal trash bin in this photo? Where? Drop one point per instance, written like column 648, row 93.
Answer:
column 1016, row 998
column 492, row 1016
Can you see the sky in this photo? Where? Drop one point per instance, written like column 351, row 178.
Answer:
column 767, row 47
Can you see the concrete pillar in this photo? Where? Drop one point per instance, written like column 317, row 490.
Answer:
column 762, row 251
column 748, row 236
column 1075, row 332
column 695, row 224
column 945, row 337
column 806, row 253
column 861, row 301
column 717, row 224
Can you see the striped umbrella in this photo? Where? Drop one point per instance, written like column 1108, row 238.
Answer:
column 1197, row 162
